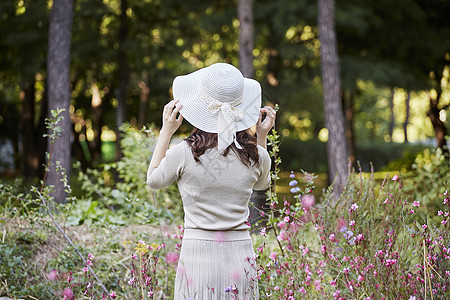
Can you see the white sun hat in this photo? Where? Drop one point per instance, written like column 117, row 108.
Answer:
column 218, row 99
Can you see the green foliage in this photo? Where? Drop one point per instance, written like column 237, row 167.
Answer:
column 431, row 176
column 117, row 193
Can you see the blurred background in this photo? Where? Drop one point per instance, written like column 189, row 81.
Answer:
column 394, row 60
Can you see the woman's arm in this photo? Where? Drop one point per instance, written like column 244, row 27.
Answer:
column 263, row 126
column 170, row 124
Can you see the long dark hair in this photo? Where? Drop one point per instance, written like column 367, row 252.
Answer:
column 199, row 141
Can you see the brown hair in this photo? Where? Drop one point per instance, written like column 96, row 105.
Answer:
column 199, row 141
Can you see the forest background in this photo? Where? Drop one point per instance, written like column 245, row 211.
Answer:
column 111, row 64
column 394, row 58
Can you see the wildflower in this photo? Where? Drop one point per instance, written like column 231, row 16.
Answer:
column 282, row 236
column 348, row 235
column 323, row 249
column 228, row 289
column 395, row 178
column 302, row 290
column 90, row 256
column 89, row 263
column 286, row 203
column 424, row 226
column 386, row 201
column 141, row 242
column 68, row 293
column 346, row 270
column 293, row 183
column 440, row 213
column 281, row 224
column 150, row 294
column 352, row 223
column 131, row 281
column 333, row 282
column 85, row 269
column 354, row 206
column 445, row 193
column 308, row 201
column 337, row 294
column 332, row 237
column 52, row 275
column 292, row 174
column 273, row 256
column 295, row 190
column 172, row 257
column 343, row 229
column 263, row 231
column 360, row 278
column 305, row 251
column 411, row 211
column 277, row 288
column 286, row 219
column 416, row 204
column 443, row 222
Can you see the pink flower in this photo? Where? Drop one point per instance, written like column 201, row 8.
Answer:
column 90, row 256
column 286, row 219
column 424, row 226
column 352, row 223
column 273, row 256
column 443, row 222
column 411, row 211
column 113, row 294
column 172, row 257
column 332, row 237
column 281, row 224
column 354, row 206
column 282, row 236
column 302, row 290
column 386, row 201
column 277, row 288
column 89, row 263
column 68, row 293
column 52, row 275
column 85, row 269
column 360, row 278
column 395, row 178
column 263, row 231
column 323, row 249
column 150, row 294
column 416, row 203
column 440, row 213
column 308, row 201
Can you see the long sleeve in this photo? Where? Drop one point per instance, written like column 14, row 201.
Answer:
column 170, row 168
column 265, row 162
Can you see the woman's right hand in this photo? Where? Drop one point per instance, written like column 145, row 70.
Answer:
column 263, row 126
column 170, row 121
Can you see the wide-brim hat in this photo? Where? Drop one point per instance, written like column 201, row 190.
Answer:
column 204, row 91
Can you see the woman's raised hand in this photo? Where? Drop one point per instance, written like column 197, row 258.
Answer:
column 263, row 126
column 170, row 121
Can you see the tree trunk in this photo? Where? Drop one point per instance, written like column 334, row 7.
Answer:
column 405, row 124
column 392, row 120
column 145, row 92
column 334, row 119
column 123, row 76
column 245, row 15
column 349, row 132
column 30, row 158
column 58, row 67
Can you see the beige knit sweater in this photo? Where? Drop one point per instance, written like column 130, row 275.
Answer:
column 215, row 192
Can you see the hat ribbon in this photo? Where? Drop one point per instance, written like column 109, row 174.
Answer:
column 228, row 115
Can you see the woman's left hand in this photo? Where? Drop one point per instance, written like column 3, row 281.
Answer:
column 263, row 126
column 170, row 121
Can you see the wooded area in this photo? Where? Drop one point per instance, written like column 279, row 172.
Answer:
column 392, row 82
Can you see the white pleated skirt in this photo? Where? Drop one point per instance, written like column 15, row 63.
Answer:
column 216, row 265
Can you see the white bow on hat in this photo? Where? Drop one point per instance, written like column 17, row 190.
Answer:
column 227, row 118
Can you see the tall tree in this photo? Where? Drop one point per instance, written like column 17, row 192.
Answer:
column 334, row 118
column 58, row 67
column 245, row 14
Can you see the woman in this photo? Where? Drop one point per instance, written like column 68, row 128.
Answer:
column 216, row 168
